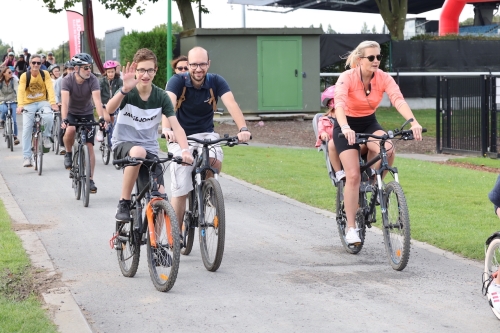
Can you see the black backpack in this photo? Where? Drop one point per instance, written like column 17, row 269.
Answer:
column 28, row 77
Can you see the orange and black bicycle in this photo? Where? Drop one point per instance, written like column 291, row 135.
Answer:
column 153, row 223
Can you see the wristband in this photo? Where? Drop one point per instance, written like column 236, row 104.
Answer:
column 185, row 149
column 123, row 93
column 167, row 129
column 346, row 126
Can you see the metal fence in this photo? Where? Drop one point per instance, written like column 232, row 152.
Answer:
column 467, row 107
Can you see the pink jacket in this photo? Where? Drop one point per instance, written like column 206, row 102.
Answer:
column 324, row 125
column 350, row 92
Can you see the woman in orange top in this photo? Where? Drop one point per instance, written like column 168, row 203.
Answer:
column 358, row 92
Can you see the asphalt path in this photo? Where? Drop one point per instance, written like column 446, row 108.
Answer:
column 284, row 269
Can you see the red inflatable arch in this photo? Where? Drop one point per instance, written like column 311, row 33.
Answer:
column 448, row 21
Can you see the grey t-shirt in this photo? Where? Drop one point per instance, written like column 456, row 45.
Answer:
column 80, row 95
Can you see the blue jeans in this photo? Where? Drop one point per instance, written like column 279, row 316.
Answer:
column 3, row 116
column 29, row 119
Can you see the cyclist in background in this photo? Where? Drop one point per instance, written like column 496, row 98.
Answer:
column 196, row 116
column 494, row 287
column 8, row 92
column 55, row 72
column 10, row 60
column 27, row 56
column 45, row 62
column 51, row 59
column 21, row 66
column 37, row 95
column 110, row 83
column 179, row 65
column 77, row 92
column 68, row 69
column 142, row 105
column 358, row 92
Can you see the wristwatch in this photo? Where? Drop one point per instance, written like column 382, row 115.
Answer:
column 243, row 129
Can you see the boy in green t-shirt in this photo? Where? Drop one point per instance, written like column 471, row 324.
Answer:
column 141, row 105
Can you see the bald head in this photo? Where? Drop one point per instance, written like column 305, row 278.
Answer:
column 199, row 53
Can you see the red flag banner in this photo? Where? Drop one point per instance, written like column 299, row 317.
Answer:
column 75, row 26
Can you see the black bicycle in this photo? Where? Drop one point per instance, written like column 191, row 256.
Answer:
column 163, row 239
column 80, row 171
column 205, row 206
column 373, row 191
column 56, row 127
column 106, row 144
column 8, row 131
column 37, row 147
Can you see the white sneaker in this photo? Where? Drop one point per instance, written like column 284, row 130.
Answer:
column 99, row 136
column 47, row 143
column 340, row 175
column 27, row 162
column 494, row 298
column 352, row 236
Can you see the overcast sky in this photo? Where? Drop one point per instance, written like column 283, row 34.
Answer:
column 52, row 30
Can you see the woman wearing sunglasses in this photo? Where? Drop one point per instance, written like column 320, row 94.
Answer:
column 8, row 92
column 179, row 65
column 358, row 93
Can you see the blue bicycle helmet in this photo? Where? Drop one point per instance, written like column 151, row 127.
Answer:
column 82, row 59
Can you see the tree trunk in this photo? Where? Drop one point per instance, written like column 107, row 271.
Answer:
column 187, row 16
column 393, row 13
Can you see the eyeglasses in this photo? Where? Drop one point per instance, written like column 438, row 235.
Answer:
column 86, row 68
column 182, row 68
column 202, row 65
column 372, row 57
column 150, row 71
column 36, row 63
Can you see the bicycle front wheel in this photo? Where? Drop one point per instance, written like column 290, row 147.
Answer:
column 85, row 174
column 188, row 224
column 212, row 231
column 341, row 218
column 55, row 135
column 9, row 133
column 396, row 226
column 75, row 172
column 128, row 248
column 105, row 151
column 40, row 153
column 164, row 252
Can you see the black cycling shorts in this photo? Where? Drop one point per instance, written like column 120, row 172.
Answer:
column 88, row 117
column 368, row 124
column 122, row 150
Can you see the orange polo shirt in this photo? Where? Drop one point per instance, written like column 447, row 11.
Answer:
column 351, row 96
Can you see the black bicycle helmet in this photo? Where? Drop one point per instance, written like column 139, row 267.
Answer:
column 68, row 64
column 82, row 59
column 52, row 67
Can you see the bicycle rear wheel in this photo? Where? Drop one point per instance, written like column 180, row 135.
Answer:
column 34, row 149
column 105, row 151
column 396, row 226
column 212, row 232
column 75, row 170
column 40, row 153
column 341, row 219
column 163, row 259
column 188, row 224
column 85, row 174
column 128, row 248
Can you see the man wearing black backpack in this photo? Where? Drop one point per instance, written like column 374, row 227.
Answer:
column 35, row 92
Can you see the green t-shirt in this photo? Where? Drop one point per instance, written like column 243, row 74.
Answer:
column 138, row 120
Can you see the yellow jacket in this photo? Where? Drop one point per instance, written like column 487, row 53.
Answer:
column 37, row 90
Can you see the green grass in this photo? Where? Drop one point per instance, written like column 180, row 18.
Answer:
column 390, row 119
column 19, row 311
column 481, row 161
column 449, row 206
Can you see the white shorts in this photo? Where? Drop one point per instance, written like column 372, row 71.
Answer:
column 180, row 175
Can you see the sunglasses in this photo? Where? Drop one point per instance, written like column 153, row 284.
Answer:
column 86, row 68
column 36, row 63
column 182, row 68
column 372, row 57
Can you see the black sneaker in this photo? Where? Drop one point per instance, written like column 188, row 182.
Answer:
column 68, row 160
column 123, row 211
column 2, row 124
column 93, row 188
column 162, row 257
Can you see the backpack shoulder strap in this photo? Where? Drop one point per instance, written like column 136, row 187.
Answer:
column 28, row 78
column 212, row 100
column 181, row 99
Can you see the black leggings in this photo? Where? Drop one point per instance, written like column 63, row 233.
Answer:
column 368, row 124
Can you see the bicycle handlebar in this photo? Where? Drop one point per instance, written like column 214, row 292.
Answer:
column 231, row 140
column 405, row 135
column 132, row 161
column 89, row 123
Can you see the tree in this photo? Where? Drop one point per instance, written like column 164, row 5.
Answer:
column 393, row 13
column 374, row 29
column 329, row 30
column 364, row 29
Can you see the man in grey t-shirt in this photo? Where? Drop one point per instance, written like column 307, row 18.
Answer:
column 77, row 92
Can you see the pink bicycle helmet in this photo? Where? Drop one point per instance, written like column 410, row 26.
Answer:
column 327, row 97
column 110, row 64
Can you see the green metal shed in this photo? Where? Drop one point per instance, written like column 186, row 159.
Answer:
column 268, row 70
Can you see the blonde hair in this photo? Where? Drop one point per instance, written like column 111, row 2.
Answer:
column 353, row 58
